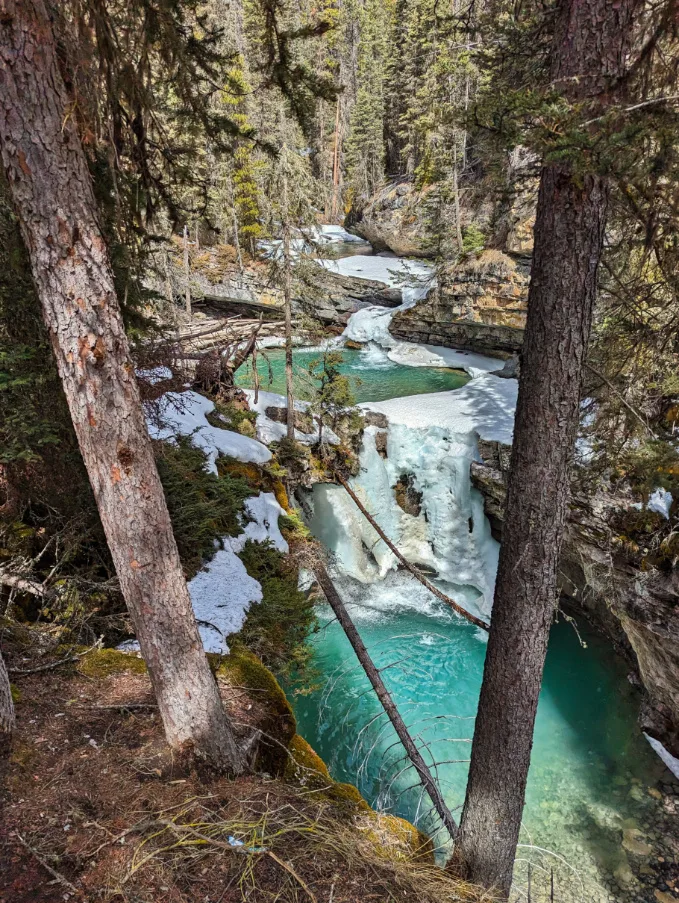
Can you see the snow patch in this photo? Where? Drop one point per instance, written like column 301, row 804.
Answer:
column 264, row 511
column 223, row 591
column 272, row 431
column 221, row 595
column 660, row 501
column 155, row 375
column 184, row 414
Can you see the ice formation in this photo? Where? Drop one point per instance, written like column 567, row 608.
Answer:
column 432, row 439
column 184, row 414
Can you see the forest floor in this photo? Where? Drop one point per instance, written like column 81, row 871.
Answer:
column 94, row 808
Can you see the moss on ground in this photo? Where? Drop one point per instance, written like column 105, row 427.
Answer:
column 104, row 662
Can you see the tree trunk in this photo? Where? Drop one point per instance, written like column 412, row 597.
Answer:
column 6, row 715
column 187, row 270
column 53, row 196
column 590, row 43
column 287, row 299
column 388, row 704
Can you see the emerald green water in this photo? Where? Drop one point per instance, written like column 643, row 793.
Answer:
column 374, row 376
column 591, row 770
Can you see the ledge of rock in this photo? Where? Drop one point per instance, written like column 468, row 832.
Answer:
column 635, row 608
column 480, row 305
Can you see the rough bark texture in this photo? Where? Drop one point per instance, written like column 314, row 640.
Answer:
column 589, row 52
column 52, row 193
column 6, row 715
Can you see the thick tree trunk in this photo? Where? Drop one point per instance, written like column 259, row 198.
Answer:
column 589, row 52
column 6, row 715
column 287, row 300
column 52, row 193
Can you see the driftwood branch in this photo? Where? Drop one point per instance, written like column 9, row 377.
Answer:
column 384, row 697
column 14, row 581
column 406, row 564
column 48, row 868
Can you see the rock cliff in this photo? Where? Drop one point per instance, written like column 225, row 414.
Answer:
column 637, row 608
column 479, row 305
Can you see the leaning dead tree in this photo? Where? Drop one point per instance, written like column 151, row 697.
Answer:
column 373, row 674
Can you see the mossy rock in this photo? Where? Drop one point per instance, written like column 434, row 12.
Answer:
column 273, row 714
column 105, row 662
column 304, row 764
column 248, row 472
column 348, row 794
column 396, row 839
column 281, row 494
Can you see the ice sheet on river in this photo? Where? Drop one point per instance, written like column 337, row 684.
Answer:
column 485, row 405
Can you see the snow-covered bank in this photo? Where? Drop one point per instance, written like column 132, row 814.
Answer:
column 223, row 591
column 269, row 430
column 184, row 414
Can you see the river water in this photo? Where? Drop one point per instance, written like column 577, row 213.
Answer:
column 596, row 811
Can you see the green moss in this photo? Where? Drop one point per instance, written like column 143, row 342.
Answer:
column 277, row 628
column 203, row 506
column 304, row 760
column 227, row 415
column 15, row 693
column 243, row 669
column 347, row 793
column 272, row 712
column 104, row 662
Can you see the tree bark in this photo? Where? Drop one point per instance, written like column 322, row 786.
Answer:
column 590, row 46
column 187, row 271
column 287, row 300
column 7, row 719
column 52, row 192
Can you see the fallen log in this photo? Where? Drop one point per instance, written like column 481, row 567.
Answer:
column 384, row 697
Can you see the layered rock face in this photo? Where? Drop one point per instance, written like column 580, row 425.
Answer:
column 479, row 305
column 637, row 609
column 392, row 221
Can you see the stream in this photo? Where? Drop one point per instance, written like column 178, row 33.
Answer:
column 596, row 809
